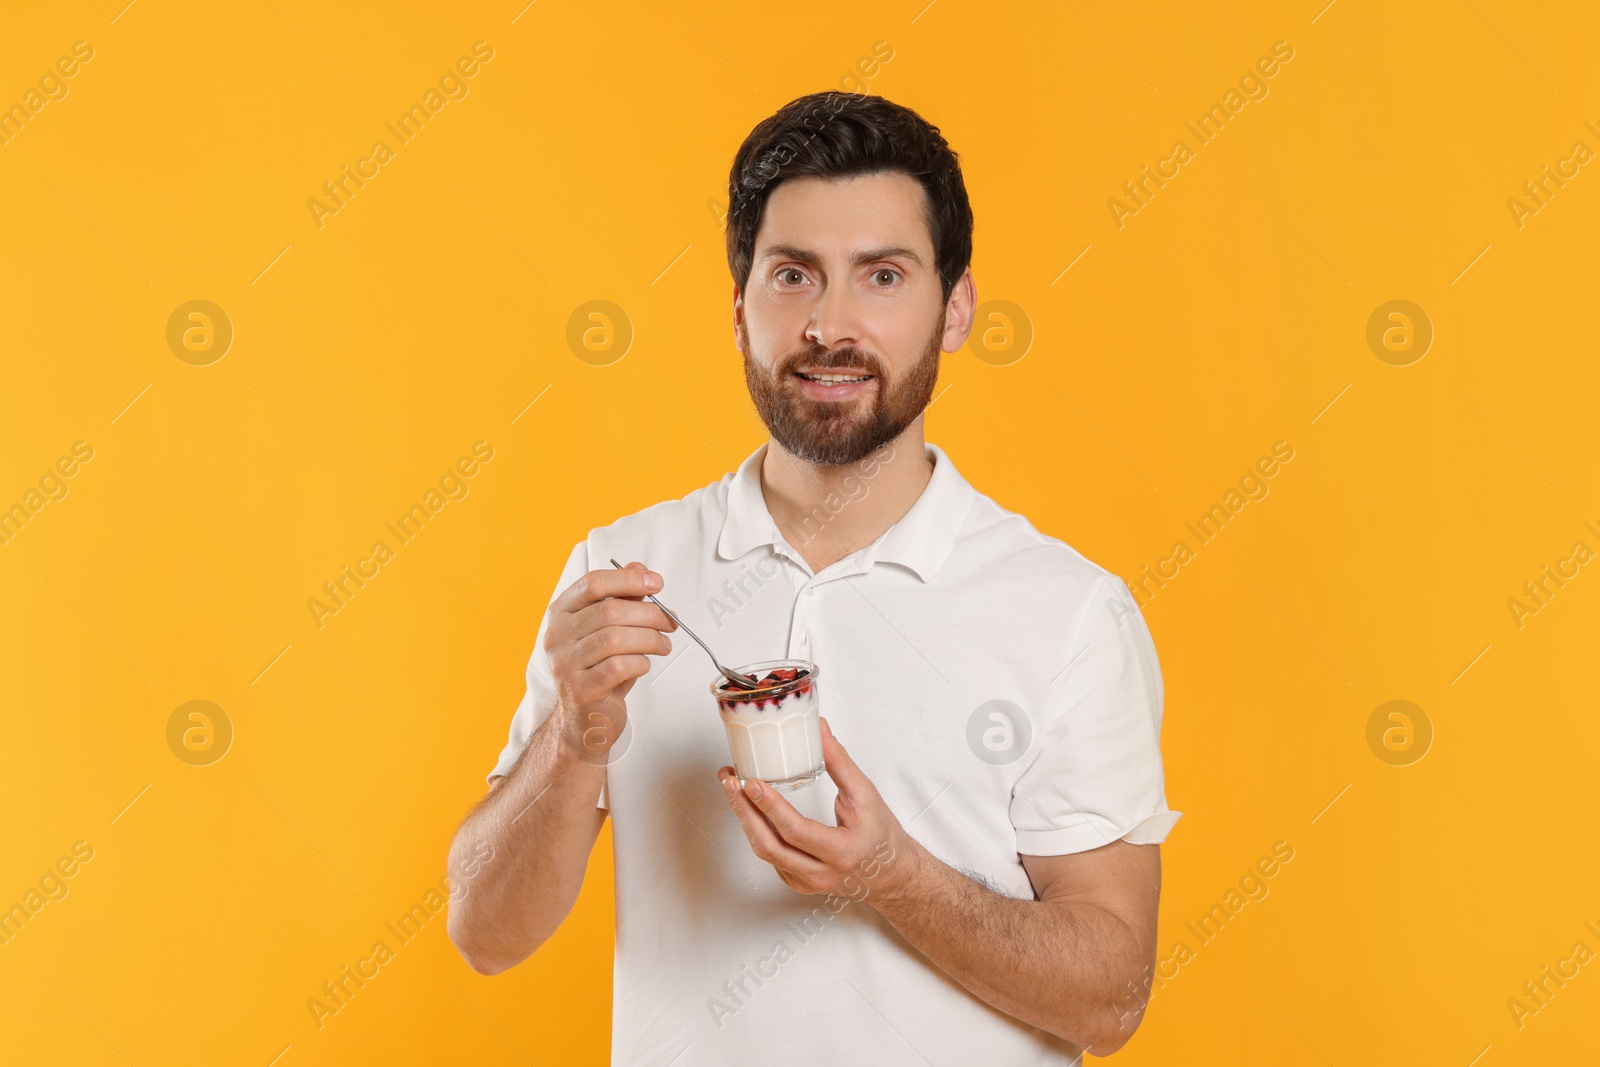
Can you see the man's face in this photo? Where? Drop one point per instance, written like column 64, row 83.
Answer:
column 843, row 281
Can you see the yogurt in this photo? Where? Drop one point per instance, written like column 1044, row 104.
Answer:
column 774, row 731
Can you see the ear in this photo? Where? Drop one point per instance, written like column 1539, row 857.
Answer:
column 959, row 312
column 738, row 317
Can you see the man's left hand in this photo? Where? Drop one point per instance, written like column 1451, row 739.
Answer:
column 867, row 853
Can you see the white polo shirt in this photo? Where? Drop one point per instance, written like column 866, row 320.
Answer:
column 1002, row 693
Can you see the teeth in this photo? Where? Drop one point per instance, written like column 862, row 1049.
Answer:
column 834, row 379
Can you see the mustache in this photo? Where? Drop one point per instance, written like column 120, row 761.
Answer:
column 844, row 359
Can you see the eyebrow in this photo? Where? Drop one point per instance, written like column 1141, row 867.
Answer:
column 860, row 259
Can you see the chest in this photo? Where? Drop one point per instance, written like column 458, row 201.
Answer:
column 939, row 694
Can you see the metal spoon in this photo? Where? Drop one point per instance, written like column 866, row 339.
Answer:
column 744, row 681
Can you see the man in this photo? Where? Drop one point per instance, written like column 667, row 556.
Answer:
column 975, row 880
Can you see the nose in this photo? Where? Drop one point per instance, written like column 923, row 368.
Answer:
column 836, row 318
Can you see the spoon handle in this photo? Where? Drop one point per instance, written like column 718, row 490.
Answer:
column 685, row 629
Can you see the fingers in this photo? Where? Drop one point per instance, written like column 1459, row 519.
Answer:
column 804, row 834
column 596, row 585
column 620, row 611
column 650, row 576
column 592, row 649
column 765, row 840
column 595, row 682
column 604, row 615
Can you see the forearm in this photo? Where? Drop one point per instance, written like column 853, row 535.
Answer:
column 1063, row 966
column 537, row 827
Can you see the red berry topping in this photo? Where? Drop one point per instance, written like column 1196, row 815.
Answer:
column 775, row 677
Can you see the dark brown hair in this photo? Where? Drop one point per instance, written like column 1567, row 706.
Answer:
column 837, row 135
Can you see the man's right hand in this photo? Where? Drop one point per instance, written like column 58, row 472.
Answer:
column 600, row 635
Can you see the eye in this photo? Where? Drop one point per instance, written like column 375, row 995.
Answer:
column 784, row 273
column 881, row 271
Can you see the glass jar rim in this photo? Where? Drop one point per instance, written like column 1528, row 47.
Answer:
column 760, row 671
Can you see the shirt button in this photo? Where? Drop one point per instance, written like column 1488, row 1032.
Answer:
column 811, row 591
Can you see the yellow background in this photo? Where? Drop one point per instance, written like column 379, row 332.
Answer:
column 590, row 162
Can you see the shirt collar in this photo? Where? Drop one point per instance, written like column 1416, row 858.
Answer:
column 921, row 540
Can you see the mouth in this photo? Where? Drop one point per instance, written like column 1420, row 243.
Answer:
column 834, row 385
column 833, row 377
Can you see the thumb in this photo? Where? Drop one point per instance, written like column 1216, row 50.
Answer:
column 841, row 768
column 634, row 566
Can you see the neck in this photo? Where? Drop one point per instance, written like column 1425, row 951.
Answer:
column 827, row 512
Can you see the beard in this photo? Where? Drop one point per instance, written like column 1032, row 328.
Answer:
column 836, row 433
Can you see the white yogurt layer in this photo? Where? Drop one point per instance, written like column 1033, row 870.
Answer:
column 775, row 743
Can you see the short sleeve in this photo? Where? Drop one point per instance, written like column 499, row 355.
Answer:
column 539, row 699
column 1098, row 775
